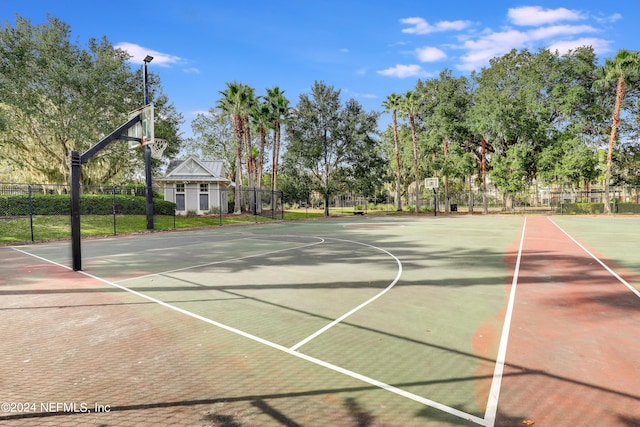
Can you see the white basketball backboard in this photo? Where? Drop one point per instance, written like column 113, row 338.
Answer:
column 430, row 183
column 144, row 129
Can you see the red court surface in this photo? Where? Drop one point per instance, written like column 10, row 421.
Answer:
column 573, row 355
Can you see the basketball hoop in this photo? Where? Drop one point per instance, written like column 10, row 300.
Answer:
column 157, row 147
column 431, row 183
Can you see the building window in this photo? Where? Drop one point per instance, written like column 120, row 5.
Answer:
column 179, row 188
column 204, row 188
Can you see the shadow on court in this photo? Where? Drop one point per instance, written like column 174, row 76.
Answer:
column 71, row 339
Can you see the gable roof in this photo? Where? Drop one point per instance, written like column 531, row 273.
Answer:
column 194, row 169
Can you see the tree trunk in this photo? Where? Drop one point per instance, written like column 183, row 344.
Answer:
column 237, row 192
column 415, row 160
column 485, row 205
column 612, row 140
column 395, row 141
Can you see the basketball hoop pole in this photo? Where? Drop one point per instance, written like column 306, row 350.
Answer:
column 147, row 152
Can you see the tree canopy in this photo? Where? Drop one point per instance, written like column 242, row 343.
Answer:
column 57, row 97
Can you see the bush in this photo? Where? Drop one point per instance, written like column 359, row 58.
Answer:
column 90, row 204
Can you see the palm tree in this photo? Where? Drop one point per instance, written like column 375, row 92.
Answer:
column 393, row 103
column 235, row 102
column 409, row 108
column 279, row 106
column 625, row 66
column 261, row 116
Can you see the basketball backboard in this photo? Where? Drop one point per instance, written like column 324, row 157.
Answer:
column 431, row 183
column 144, row 129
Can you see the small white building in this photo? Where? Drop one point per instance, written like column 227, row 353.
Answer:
column 196, row 186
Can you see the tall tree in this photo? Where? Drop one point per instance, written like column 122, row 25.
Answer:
column 58, row 97
column 279, row 108
column 619, row 70
column 445, row 106
column 335, row 145
column 409, row 108
column 261, row 117
column 214, row 138
column 392, row 104
column 236, row 102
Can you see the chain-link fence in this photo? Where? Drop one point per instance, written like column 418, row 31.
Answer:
column 38, row 212
column 623, row 200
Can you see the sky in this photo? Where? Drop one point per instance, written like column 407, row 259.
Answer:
column 365, row 49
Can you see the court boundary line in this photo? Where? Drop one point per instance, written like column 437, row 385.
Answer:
column 605, row 266
column 491, row 410
column 382, row 385
column 359, row 307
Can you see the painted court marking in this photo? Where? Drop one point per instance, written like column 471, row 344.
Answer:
column 319, row 362
column 364, row 304
column 494, row 393
column 606, row 267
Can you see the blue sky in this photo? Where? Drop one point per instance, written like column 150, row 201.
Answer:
column 367, row 49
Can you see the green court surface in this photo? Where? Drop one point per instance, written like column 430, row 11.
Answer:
column 356, row 321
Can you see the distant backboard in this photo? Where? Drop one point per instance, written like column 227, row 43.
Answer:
column 431, row 183
column 144, row 129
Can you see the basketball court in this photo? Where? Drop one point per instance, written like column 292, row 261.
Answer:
column 389, row 321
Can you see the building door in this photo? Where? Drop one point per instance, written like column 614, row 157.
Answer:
column 180, row 202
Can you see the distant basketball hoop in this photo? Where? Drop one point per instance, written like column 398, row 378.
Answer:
column 431, row 183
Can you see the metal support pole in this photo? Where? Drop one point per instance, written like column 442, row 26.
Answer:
column 435, row 202
column 148, row 178
column 147, row 154
column 76, row 254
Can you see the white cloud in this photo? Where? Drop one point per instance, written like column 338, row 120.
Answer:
column 402, row 71
column 430, row 54
column 536, row 15
column 420, row 26
column 559, row 30
column 495, row 44
column 608, row 19
column 192, row 70
column 599, row 45
column 138, row 53
column 360, row 95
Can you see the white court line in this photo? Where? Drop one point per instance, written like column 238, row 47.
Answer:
column 223, row 261
column 494, row 391
column 364, row 304
column 319, row 362
column 613, row 273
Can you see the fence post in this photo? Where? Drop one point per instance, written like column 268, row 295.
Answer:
column 113, row 191
column 31, row 212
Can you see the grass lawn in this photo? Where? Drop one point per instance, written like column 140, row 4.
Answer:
column 51, row 227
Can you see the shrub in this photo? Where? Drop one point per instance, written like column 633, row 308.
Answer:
column 90, row 204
